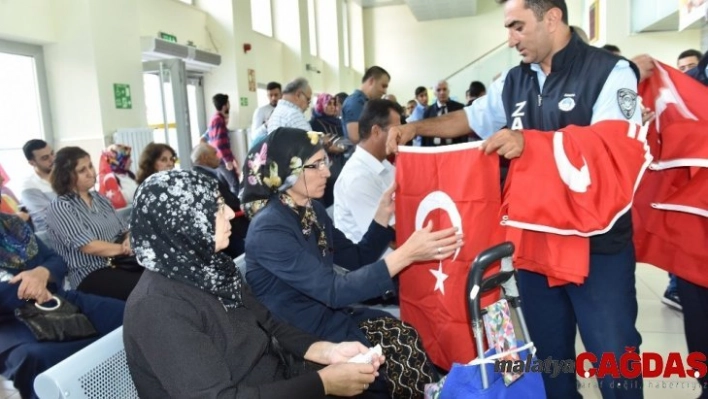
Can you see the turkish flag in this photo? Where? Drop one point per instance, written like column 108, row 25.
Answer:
column 670, row 212
column 569, row 185
column 455, row 185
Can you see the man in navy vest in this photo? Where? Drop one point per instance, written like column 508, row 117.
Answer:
column 561, row 81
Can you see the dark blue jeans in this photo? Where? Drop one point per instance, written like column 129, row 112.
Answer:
column 604, row 309
column 694, row 300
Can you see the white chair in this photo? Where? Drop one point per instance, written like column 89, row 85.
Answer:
column 45, row 238
column 100, row 370
column 240, row 263
column 124, row 213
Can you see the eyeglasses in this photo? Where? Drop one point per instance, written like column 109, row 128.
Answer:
column 322, row 164
column 220, row 204
column 306, row 97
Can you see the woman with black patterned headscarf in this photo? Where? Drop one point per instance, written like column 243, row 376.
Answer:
column 192, row 327
column 292, row 247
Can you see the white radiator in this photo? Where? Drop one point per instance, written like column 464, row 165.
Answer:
column 137, row 139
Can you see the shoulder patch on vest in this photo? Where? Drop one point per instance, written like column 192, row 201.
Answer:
column 627, row 101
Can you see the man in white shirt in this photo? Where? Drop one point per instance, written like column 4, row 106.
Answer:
column 37, row 192
column 290, row 111
column 367, row 174
column 261, row 115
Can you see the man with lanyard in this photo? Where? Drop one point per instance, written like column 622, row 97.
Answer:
column 694, row 298
column 561, row 81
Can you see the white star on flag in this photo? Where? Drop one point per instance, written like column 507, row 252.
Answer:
column 110, row 194
column 440, row 278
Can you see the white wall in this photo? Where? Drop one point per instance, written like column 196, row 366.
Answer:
column 419, row 53
column 28, row 21
column 73, row 84
column 615, row 29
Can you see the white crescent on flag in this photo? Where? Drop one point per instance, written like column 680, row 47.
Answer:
column 439, row 200
column 576, row 179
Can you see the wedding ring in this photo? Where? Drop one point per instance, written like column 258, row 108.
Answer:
column 439, row 250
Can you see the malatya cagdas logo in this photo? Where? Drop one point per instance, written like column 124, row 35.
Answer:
column 630, row 365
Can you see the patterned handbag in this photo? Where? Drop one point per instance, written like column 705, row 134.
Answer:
column 407, row 365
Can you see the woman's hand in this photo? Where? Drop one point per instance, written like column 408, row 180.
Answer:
column 23, row 215
column 347, row 379
column 33, row 284
column 343, row 351
column 126, row 246
column 386, row 207
column 423, row 245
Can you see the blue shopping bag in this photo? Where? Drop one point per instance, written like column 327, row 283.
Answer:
column 465, row 381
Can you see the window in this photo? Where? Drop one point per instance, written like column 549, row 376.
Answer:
column 262, row 17
column 345, row 32
column 312, row 25
column 24, row 109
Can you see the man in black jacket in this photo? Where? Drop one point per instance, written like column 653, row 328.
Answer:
column 206, row 161
column 694, row 298
column 442, row 106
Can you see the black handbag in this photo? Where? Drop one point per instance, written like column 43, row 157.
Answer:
column 61, row 322
column 124, row 262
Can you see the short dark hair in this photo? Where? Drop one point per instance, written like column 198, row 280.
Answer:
column 376, row 112
column 374, row 72
column 273, row 86
column 420, row 90
column 611, row 48
column 341, row 96
column 150, row 155
column 690, row 53
column 219, row 101
column 31, row 146
column 477, row 88
column 540, row 7
column 63, row 176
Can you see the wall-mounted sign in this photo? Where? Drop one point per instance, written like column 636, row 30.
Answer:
column 121, row 93
column 594, row 21
column 244, row 101
column 691, row 12
column 251, row 80
column 168, row 37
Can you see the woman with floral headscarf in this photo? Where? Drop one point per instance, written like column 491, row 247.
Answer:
column 292, row 246
column 31, row 272
column 115, row 180
column 193, row 328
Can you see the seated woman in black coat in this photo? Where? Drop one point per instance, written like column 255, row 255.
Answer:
column 292, row 247
column 32, row 272
column 192, row 327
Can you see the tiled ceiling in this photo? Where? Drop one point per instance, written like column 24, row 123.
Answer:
column 378, row 3
column 428, row 10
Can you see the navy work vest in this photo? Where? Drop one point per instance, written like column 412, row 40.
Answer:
column 578, row 74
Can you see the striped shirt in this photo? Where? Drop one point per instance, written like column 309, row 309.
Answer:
column 73, row 224
column 287, row 114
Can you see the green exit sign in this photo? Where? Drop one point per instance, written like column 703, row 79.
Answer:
column 168, row 37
